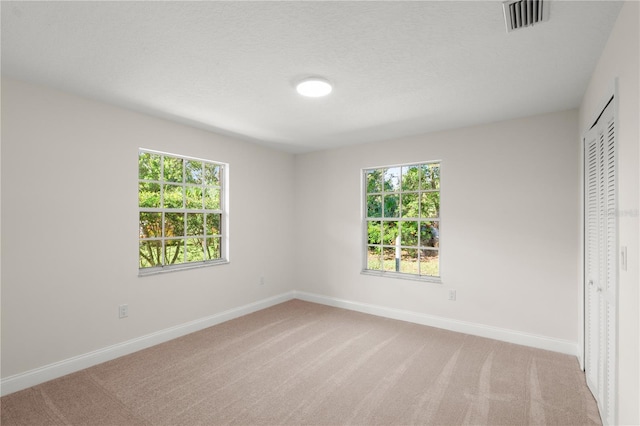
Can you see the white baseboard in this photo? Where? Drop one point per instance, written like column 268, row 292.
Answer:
column 58, row 369
column 505, row 335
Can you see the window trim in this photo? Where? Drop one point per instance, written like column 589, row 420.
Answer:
column 364, row 227
column 224, row 218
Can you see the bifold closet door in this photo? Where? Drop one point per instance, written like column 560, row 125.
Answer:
column 601, row 262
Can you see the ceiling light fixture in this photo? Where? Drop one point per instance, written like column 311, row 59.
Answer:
column 314, row 87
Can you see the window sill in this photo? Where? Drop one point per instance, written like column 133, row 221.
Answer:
column 175, row 268
column 399, row 275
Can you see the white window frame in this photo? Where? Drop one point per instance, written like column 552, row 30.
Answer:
column 365, row 219
column 223, row 211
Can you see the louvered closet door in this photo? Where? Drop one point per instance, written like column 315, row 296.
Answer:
column 601, row 262
column 592, row 300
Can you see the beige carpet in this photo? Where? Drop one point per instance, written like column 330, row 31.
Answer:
column 300, row 363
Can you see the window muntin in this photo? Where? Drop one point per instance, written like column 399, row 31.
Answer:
column 181, row 212
column 402, row 220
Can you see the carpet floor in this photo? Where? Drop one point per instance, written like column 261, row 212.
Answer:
column 300, row 363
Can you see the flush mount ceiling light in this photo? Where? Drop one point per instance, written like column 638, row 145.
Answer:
column 314, row 87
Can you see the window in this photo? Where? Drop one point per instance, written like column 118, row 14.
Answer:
column 182, row 219
column 402, row 220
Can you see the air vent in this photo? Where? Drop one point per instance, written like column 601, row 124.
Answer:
column 523, row 13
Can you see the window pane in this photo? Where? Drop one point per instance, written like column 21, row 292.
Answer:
column 173, row 197
column 173, row 224
column 429, row 263
column 150, row 225
column 174, row 252
column 392, row 179
column 389, row 232
column 374, row 232
column 149, row 195
column 391, row 206
column 430, row 178
column 195, row 250
column 389, row 259
column 150, row 254
column 430, row 204
column 194, row 197
column 213, row 248
column 374, row 258
column 429, row 234
column 193, row 171
column 409, row 261
column 148, row 166
column 211, row 174
column 177, row 197
column 374, row 180
column 409, row 233
column 212, row 198
column 402, row 215
column 374, row 205
column 173, row 169
column 213, row 224
column 410, row 178
column 410, row 207
column 195, row 223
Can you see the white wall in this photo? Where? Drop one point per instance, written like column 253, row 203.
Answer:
column 69, row 216
column 510, row 237
column 620, row 60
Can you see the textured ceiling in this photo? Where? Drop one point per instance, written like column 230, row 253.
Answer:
column 398, row 68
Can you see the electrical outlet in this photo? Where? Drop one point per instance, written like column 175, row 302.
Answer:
column 123, row 311
column 452, row 295
column 261, row 280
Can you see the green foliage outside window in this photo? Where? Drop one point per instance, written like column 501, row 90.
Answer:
column 180, row 210
column 403, row 210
